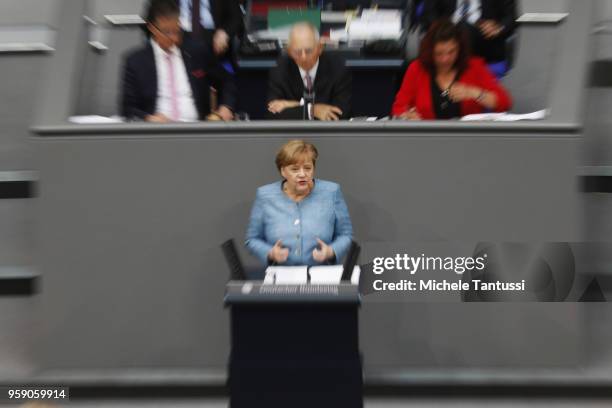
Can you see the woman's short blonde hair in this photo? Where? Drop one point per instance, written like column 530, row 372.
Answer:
column 295, row 151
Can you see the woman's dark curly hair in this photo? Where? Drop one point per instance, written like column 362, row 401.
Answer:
column 441, row 31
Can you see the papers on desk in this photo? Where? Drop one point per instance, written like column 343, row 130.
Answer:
column 275, row 34
column 338, row 17
column 366, row 30
column 331, row 274
column 286, row 275
column 506, row 117
column 383, row 16
column 94, row 119
column 298, row 275
column 363, row 119
column 338, row 34
column 376, row 24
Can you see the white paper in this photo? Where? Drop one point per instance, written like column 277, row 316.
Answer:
column 334, row 16
column 338, row 34
column 331, row 274
column 506, row 117
column 94, row 119
column 376, row 24
column 364, row 119
column 325, row 274
column 538, row 115
column 355, row 275
column 280, row 33
column 286, row 275
column 367, row 30
column 390, row 15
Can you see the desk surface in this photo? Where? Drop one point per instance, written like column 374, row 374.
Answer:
column 352, row 129
column 266, row 63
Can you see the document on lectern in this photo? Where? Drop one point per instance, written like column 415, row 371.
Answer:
column 325, row 274
column 331, row 274
column 286, row 275
column 319, row 275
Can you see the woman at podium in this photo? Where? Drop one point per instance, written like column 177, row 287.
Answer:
column 299, row 220
column 445, row 82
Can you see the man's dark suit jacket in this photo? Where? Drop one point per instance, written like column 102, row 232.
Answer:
column 139, row 87
column 502, row 11
column 227, row 16
column 332, row 86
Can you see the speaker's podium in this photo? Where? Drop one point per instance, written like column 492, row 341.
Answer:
column 294, row 345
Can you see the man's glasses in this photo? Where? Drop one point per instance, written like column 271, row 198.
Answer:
column 303, row 51
column 167, row 33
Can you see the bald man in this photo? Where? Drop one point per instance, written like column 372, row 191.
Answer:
column 307, row 70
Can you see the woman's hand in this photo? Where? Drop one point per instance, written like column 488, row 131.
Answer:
column 323, row 252
column 410, row 114
column 278, row 254
column 460, row 92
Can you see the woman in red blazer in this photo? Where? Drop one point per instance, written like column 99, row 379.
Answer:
column 445, row 81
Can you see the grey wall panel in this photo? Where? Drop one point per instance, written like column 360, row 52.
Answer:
column 598, row 218
column 130, row 229
column 99, row 8
column 16, row 229
column 30, row 12
column 602, row 44
column 604, row 10
column 19, row 88
column 597, row 148
column 425, row 337
column 544, row 6
column 16, row 334
column 101, row 73
column 536, row 52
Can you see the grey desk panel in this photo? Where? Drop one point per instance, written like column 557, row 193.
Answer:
column 130, row 228
column 256, row 292
column 357, row 63
column 264, row 129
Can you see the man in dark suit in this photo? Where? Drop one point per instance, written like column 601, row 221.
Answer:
column 215, row 22
column 307, row 74
column 164, row 81
column 489, row 22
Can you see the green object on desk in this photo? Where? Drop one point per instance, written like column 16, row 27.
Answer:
column 287, row 17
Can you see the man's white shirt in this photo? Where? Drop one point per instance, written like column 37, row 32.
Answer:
column 312, row 72
column 206, row 18
column 474, row 12
column 185, row 101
